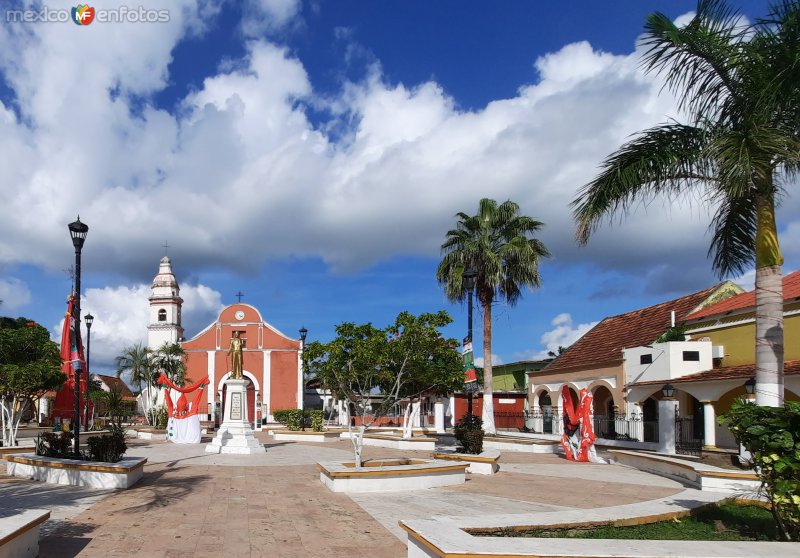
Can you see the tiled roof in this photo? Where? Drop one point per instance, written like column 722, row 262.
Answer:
column 605, row 341
column 742, row 371
column 791, row 290
column 111, row 381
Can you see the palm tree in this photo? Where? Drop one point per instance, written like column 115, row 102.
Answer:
column 136, row 360
column 170, row 359
column 739, row 85
column 497, row 243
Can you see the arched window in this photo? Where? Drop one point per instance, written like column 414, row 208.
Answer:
column 162, row 315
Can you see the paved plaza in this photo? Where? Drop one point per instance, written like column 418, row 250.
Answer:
column 193, row 504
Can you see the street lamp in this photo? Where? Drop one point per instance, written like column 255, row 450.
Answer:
column 468, row 282
column 89, row 319
column 303, row 334
column 78, row 232
column 750, row 386
column 668, row 391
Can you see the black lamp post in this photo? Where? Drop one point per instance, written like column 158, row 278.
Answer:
column 468, row 281
column 77, row 231
column 303, row 334
column 89, row 319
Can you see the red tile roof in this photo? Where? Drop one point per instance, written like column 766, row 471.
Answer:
column 791, row 290
column 603, row 344
column 112, row 381
column 742, row 371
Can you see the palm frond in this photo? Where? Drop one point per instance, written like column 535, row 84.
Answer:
column 666, row 159
column 734, row 232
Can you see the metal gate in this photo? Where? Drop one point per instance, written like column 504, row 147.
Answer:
column 688, row 438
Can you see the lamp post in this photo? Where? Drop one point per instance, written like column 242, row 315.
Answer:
column 750, row 386
column 77, row 231
column 303, row 334
column 468, row 281
column 89, row 319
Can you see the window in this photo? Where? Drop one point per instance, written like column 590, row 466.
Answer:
column 691, row 356
column 162, row 315
column 646, row 359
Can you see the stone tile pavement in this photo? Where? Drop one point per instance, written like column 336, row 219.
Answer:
column 194, row 504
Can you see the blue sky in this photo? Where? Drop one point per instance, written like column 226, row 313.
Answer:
column 314, row 154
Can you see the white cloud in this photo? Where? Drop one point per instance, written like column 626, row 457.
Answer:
column 240, row 160
column 268, row 15
column 14, row 293
column 495, row 361
column 121, row 316
column 563, row 334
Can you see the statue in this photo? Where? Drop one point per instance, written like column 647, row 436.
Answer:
column 235, row 352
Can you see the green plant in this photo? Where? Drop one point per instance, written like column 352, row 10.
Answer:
column 108, row 447
column 157, row 417
column 772, row 436
column 53, row 444
column 469, row 433
column 315, row 416
column 675, row 333
column 289, row 417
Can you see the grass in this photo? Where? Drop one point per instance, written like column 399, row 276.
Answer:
column 724, row 522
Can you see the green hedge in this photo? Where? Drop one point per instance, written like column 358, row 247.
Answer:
column 469, row 433
column 296, row 419
column 772, row 436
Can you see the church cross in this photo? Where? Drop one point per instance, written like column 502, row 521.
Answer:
column 166, row 247
column 240, row 294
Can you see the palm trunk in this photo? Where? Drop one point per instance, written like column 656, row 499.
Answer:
column 488, row 395
column 769, row 308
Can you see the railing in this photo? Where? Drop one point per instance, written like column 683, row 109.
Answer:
column 631, row 428
column 617, row 427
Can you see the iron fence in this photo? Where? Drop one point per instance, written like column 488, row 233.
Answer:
column 632, row 428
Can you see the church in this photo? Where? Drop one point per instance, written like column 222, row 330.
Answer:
column 271, row 360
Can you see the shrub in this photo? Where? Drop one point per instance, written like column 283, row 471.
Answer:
column 772, row 436
column 157, row 417
column 108, row 447
column 288, row 417
column 316, row 418
column 295, row 419
column 53, row 444
column 469, row 433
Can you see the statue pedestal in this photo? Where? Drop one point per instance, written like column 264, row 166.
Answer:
column 235, row 435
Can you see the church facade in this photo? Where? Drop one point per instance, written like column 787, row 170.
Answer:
column 271, row 360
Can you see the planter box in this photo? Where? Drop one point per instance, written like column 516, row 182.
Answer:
column 697, row 475
column 149, row 433
column 396, row 442
column 74, row 472
column 391, row 475
column 521, row 444
column 305, row 436
column 19, row 534
column 484, row 463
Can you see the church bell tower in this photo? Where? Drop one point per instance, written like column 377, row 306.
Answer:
column 165, row 308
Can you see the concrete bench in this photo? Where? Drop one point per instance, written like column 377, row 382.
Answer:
column 484, row 463
column 418, row 443
column 96, row 474
column 526, row 445
column 696, row 475
column 385, row 475
column 19, row 533
column 305, row 436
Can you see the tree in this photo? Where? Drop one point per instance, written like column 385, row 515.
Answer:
column 170, row 358
column 498, row 244
column 558, row 352
column 739, row 86
column 373, row 369
column 29, row 367
column 136, row 360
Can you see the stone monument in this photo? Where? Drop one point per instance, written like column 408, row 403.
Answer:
column 235, row 434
